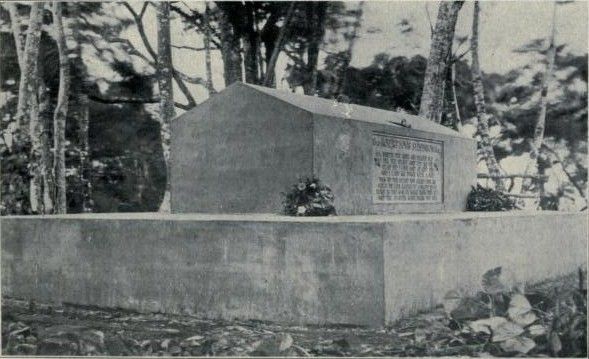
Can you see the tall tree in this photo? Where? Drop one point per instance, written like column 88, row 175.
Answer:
column 439, row 57
column 306, row 40
column 270, row 70
column 61, row 110
column 241, row 37
column 27, row 112
column 79, row 105
column 164, row 79
column 479, row 99
column 454, row 98
column 27, row 100
column 207, row 45
column 347, row 55
column 230, row 48
column 316, row 12
column 250, row 43
column 248, row 32
column 538, row 136
column 19, row 36
column 46, row 122
column 142, row 149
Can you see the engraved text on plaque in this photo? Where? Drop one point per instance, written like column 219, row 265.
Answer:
column 406, row 170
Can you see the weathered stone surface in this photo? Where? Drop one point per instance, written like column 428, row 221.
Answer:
column 366, row 270
column 454, row 254
column 239, row 150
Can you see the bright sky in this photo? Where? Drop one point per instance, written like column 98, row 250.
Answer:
column 504, row 26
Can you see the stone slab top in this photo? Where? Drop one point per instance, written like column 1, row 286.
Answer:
column 332, row 108
column 260, row 217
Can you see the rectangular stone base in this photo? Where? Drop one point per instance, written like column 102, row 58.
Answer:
column 341, row 270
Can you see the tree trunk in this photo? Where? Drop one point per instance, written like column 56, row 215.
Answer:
column 178, row 76
column 27, row 112
column 479, row 99
column 27, row 99
column 19, row 37
column 250, row 60
column 46, row 122
column 230, row 50
column 270, row 75
column 207, row 45
column 79, row 114
column 61, row 110
column 79, row 109
column 84, row 152
column 316, row 14
column 261, row 60
column 268, row 36
column 437, row 64
column 538, row 138
column 250, row 45
column 341, row 78
column 165, row 78
column 457, row 116
column 44, row 186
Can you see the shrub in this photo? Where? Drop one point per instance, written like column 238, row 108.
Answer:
column 309, row 197
column 547, row 319
column 487, row 199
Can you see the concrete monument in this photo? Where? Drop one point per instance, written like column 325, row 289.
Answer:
column 239, row 150
column 236, row 153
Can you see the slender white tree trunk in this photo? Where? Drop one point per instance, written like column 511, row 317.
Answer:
column 538, row 138
column 61, row 110
column 165, row 78
column 28, row 76
column 45, row 119
column 84, row 125
column 207, row 43
column 458, row 119
column 27, row 111
column 479, row 100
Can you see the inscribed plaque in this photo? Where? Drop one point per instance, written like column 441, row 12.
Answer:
column 406, row 169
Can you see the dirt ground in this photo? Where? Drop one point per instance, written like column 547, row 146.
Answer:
column 30, row 328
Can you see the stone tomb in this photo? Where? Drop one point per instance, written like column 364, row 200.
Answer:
column 239, row 150
column 236, row 153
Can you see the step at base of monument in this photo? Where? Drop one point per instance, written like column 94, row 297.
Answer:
column 355, row 270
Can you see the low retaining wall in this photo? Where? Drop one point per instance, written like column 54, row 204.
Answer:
column 365, row 270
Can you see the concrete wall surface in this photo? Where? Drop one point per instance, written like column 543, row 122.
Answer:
column 448, row 254
column 237, row 152
column 276, row 271
column 343, row 160
column 364, row 270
